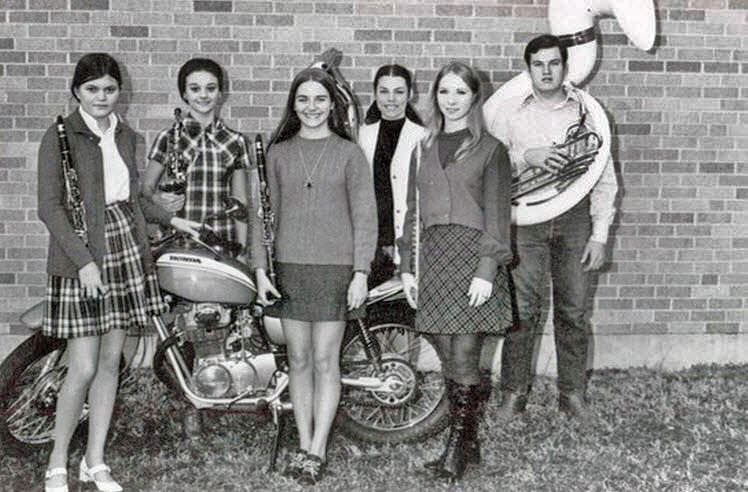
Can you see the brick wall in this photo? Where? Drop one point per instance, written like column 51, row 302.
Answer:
column 679, row 113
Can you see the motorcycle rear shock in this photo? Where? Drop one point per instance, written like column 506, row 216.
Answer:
column 371, row 347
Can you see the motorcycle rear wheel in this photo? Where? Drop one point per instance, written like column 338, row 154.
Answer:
column 420, row 409
column 30, row 378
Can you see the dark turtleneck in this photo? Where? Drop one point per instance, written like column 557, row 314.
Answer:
column 449, row 143
column 389, row 133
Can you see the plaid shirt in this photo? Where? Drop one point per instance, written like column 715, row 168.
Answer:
column 212, row 153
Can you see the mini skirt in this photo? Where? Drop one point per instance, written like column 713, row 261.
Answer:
column 449, row 260
column 313, row 293
column 133, row 296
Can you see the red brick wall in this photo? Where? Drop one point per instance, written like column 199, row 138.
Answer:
column 679, row 113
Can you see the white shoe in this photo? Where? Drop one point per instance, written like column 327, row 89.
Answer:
column 53, row 473
column 87, row 475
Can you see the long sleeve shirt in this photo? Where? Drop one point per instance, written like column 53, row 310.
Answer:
column 322, row 196
column 474, row 192
column 535, row 124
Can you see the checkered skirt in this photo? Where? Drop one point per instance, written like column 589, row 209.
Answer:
column 449, row 260
column 133, row 296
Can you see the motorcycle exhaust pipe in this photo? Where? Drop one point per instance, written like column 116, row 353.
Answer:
column 175, row 357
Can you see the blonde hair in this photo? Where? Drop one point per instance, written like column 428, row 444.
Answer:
column 475, row 122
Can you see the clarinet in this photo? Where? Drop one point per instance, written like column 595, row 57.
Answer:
column 176, row 167
column 73, row 199
column 416, row 244
column 268, row 219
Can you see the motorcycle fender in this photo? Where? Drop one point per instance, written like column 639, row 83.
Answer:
column 32, row 318
column 274, row 330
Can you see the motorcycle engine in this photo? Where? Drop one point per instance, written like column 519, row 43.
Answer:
column 229, row 361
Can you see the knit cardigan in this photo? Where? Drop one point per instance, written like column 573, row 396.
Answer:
column 67, row 253
column 473, row 192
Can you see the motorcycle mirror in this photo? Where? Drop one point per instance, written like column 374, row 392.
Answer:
column 235, row 209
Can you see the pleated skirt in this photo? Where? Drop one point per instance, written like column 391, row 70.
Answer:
column 449, row 260
column 132, row 298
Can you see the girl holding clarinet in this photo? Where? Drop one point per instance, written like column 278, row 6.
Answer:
column 101, row 277
column 205, row 161
column 322, row 195
column 461, row 177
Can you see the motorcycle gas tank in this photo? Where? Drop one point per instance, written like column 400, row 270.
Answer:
column 199, row 276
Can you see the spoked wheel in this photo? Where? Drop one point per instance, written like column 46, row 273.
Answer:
column 415, row 406
column 30, row 378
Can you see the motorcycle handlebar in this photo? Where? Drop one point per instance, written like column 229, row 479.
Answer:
column 235, row 209
column 206, row 238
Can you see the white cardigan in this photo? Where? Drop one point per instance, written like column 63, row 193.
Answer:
column 399, row 168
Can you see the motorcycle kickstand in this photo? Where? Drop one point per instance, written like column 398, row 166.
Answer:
column 280, row 423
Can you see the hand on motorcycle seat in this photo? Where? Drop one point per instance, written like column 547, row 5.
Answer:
column 357, row 291
column 410, row 287
column 264, row 286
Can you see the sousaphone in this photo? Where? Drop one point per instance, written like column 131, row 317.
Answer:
column 574, row 21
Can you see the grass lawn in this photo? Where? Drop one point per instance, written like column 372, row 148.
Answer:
column 656, row 431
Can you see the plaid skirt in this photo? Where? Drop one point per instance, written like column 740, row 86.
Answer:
column 449, row 260
column 133, row 295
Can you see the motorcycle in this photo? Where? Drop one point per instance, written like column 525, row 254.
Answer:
column 216, row 348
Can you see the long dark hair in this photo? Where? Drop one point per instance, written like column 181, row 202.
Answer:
column 475, row 123
column 290, row 124
column 373, row 114
column 94, row 66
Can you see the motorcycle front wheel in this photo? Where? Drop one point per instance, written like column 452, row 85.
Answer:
column 419, row 408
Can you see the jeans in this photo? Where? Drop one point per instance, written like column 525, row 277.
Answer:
column 561, row 241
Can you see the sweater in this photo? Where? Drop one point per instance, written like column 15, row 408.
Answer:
column 474, row 192
column 409, row 137
column 67, row 253
column 331, row 222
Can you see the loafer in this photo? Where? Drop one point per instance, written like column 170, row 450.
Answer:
column 295, row 463
column 54, row 472
column 313, row 470
column 87, row 474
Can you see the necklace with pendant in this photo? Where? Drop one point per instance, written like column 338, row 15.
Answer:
column 309, row 181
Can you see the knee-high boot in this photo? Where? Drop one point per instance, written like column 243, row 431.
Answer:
column 463, row 414
column 481, row 393
column 436, row 465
